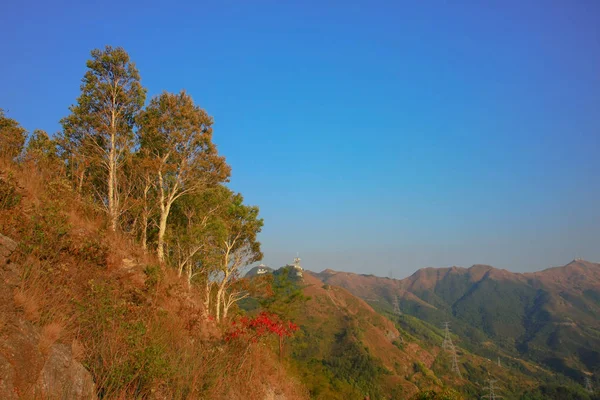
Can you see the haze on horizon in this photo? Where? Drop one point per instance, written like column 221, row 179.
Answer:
column 374, row 136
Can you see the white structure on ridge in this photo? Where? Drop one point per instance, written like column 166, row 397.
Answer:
column 262, row 269
column 297, row 267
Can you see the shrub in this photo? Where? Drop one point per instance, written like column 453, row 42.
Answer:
column 9, row 197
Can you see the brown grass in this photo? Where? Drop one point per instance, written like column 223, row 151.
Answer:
column 28, row 303
column 78, row 351
column 137, row 340
column 49, row 335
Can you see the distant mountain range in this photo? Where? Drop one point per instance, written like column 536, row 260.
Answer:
column 551, row 317
column 347, row 350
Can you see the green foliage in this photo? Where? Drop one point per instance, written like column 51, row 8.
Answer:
column 446, row 394
column 336, row 369
column 558, row 392
column 9, row 196
column 94, row 250
column 287, row 297
column 12, row 137
column 154, row 274
column 41, row 149
column 48, row 234
column 97, row 136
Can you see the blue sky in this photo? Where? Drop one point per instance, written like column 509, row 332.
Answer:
column 375, row 136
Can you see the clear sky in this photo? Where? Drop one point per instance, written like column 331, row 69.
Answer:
column 375, row 136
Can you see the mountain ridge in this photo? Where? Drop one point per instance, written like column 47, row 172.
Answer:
column 551, row 317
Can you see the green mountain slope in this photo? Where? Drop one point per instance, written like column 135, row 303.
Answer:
column 551, row 318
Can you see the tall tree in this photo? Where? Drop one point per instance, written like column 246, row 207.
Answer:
column 192, row 231
column 178, row 136
column 103, row 119
column 238, row 246
column 12, row 137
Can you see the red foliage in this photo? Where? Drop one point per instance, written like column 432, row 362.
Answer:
column 263, row 324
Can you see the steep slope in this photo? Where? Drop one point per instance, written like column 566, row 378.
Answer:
column 86, row 313
column 551, row 317
column 348, row 350
column 350, row 333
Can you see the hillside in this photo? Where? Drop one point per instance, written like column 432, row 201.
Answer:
column 551, row 317
column 346, row 349
column 86, row 313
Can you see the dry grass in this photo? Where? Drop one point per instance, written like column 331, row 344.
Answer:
column 78, row 351
column 28, row 304
column 138, row 341
column 49, row 335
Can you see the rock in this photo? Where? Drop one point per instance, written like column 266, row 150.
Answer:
column 27, row 373
column 7, row 380
column 7, row 246
column 63, row 378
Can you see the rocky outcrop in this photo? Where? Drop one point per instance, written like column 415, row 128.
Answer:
column 7, row 246
column 27, row 370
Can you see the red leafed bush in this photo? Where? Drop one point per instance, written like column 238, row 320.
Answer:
column 252, row 329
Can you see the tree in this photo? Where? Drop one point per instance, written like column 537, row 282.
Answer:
column 41, row 149
column 191, row 235
column 238, row 246
column 286, row 297
column 145, row 194
column 445, row 394
column 12, row 137
column 177, row 135
column 100, row 125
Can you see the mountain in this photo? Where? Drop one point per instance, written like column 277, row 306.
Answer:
column 345, row 349
column 550, row 317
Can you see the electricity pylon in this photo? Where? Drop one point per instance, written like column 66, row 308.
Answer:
column 396, row 305
column 588, row 384
column 491, row 390
column 455, row 368
column 449, row 346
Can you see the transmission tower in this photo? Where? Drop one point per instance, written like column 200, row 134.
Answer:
column 455, row 368
column 491, row 390
column 588, row 384
column 447, row 344
column 396, row 305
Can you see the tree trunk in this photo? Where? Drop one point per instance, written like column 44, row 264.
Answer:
column 112, row 212
column 207, row 290
column 112, row 175
column 144, row 238
column 162, row 229
column 226, row 306
column 145, row 217
column 219, row 296
column 80, row 185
